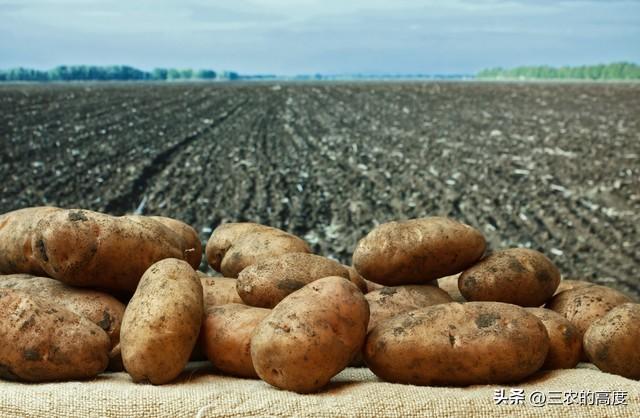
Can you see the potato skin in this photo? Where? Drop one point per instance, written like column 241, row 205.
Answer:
column 584, row 305
column 311, row 335
column 219, row 291
column 519, row 276
column 357, row 279
column 192, row 247
column 226, row 333
column 611, row 342
column 450, row 285
column 417, row 251
column 44, row 342
column 456, row 344
column 91, row 249
column 568, row 284
column 388, row 302
column 16, row 229
column 565, row 344
column 266, row 283
column 162, row 321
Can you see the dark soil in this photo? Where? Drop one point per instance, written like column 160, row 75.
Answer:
column 554, row 167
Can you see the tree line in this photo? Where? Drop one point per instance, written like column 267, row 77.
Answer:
column 111, row 73
column 613, row 71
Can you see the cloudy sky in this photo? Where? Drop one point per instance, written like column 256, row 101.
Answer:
column 326, row 36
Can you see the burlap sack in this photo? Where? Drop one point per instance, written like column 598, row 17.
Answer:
column 354, row 392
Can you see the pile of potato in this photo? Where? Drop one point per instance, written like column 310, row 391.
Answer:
column 82, row 292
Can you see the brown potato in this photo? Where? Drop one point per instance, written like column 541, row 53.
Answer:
column 357, row 279
column 191, row 247
column 311, row 335
column 100, row 308
column 223, row 238
column 266, row 283
column 584, row 305
column 42, row 341
column 450, row 285
column 91, row 249
column 162, row 321
column 226, row 333
column 16, row 231
column 568, row 284
column 457, row 344
column 219, row 291
column 388, row 302
column 417, row 251
column 371, row 286
column 565, row 344
column 611, row 342
column 518, row 275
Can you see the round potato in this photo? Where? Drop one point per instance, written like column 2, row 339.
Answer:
column 611, row 342
column 219, row 291
column 519, row 276
column 191, row 245
column 266, row 283
column 311, row 335
column 226, row 333
column 457, row 344
column 450, row 285
column 565, row 344
column 42, row 341
column 584, row 305
column 162, row 322
column 568, row 284
column 223, row 238
column 390, row 301
column 417, row 251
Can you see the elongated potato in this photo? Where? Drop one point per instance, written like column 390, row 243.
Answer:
column 16, row 231
column 611, row 342
column 234, row 246
column 311, row 335
column 219, row 291
column 390, row 301
column 42, row 341
column 226, row 333
column 191, row 247
column 91, row 249
column 518, row 275
column 162, row 322
column 458, row 344
column 565, row 344
column 266, row 283
column 417, row 251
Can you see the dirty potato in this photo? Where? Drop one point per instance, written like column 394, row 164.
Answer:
column 518, row 275
column 42, row 341
column 357, row 279
column 565, row 344
column 311, row 335
column 219, row 291
column 611, row 342
column 191, row 245
column 457, row 344
column 226, row 335
column 162, row 322
column 417, row 251
column 568, row 284
column 266, row 283
column 450, row 285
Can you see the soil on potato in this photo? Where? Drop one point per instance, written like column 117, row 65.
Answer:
column 554, row 167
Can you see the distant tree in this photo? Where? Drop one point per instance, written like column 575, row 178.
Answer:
column 613, row 71
column 186, row 73
column 159, row 74
column 206, row 74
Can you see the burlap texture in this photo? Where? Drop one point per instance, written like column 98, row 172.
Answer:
column 354, row 392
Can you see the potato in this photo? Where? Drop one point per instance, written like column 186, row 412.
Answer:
column 357, row 279
column 91, row 249
column 611, row 342
column 371, row 286
column 311, row 335
column 42, row 341
column 162, row 321
column 100, row 308
column 457, row 345
column 226, row 333
column 565, row 344
column 584, row 305
column 234, row 246
column 16, row 230
column 192, row 247
column 219, row 291
column 266, row 283
column 568, row 284
column 450, row 285
column 417, row 251
column 518, row 275
column 390, row 301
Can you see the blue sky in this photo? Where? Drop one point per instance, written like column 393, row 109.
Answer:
column 326, row 36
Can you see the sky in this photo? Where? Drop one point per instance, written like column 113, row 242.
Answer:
column 289, row 37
